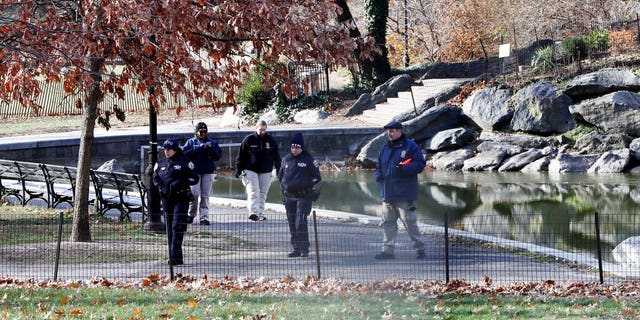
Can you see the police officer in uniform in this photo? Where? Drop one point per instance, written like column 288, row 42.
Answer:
column 399, row 163
column 174, row 175
column 298, row 174
column 256, row 159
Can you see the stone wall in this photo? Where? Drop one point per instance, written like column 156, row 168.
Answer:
column 336, row 144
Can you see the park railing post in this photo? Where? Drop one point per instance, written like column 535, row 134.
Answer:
column 446, row 246
column 168, row 227
column 57, row 263
column 315, row 235
column 599, row 247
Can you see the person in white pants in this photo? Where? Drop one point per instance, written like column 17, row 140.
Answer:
column 257, row 157
column 203, row 152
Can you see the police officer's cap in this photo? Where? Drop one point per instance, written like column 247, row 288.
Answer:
column 393, row 125
column 171, row 144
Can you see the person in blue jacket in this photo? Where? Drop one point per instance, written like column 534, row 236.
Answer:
column 298, row 174
column 174, row 175
column 203, row 151
column 399, row 163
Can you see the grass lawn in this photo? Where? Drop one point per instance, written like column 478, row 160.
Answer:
column 176, row 302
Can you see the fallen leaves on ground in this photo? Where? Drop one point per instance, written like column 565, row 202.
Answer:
column 328, row 287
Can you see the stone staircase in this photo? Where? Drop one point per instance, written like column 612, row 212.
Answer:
column 425, row 89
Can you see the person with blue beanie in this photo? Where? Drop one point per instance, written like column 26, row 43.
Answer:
column 298, row 173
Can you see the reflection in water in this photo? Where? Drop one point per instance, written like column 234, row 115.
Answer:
column 549, row 210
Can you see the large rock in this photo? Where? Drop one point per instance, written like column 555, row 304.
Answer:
column 368, row 155
column 448, row 139
column 489, row 108
column 508, row 148
column 628, row 252
column 518, row 161
column 388, row 89
column 310, row 116
column 634, row 146
column 484, row 161
column 270, row 117
column 565, row 162
column 434, row 120
column 231, row 118
column 111, row 166
column 540, row 165
column 611, row 162
column 542, row 109
column 522, row 140
column 595, row 142
column 450, row 160
column 602, row 82
column 617, row 112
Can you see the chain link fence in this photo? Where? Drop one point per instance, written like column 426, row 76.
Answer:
column 38, row 247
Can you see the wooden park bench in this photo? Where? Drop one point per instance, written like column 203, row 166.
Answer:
column 123, row 192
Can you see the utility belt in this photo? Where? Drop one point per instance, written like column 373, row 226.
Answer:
column 184, row 194
column 299, row 194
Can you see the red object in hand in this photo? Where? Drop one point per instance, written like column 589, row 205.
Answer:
column 405, row 162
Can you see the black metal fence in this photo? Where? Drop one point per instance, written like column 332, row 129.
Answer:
column 309, row 78
column 37, row 246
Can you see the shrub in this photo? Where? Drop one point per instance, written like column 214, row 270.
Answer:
column 574, row 49
column 543, row 58
column 253, row 95
column 597, row 41
column 622, row 41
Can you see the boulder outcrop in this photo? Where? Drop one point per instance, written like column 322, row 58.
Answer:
column 531, row 130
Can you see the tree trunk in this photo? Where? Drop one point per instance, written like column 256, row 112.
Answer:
column 80, row 230
column 346, row 18
column 380, row 70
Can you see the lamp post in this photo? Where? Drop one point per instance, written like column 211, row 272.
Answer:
column 406, row 36
column 154, row 223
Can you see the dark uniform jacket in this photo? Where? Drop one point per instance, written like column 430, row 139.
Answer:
column 298, row 175
column 174, row 176
column 399, row 163
column 258, row 154
column 203, row 157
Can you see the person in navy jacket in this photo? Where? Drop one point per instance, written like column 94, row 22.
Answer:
column 399, row 164
column 174, row 175
column 298, row 174
column 203, row 152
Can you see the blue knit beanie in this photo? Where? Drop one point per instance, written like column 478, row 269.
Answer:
column 297, row 140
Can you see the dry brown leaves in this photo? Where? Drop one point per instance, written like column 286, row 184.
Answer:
column 331, row 287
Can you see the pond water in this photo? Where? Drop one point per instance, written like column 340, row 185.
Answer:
column 551, row 210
